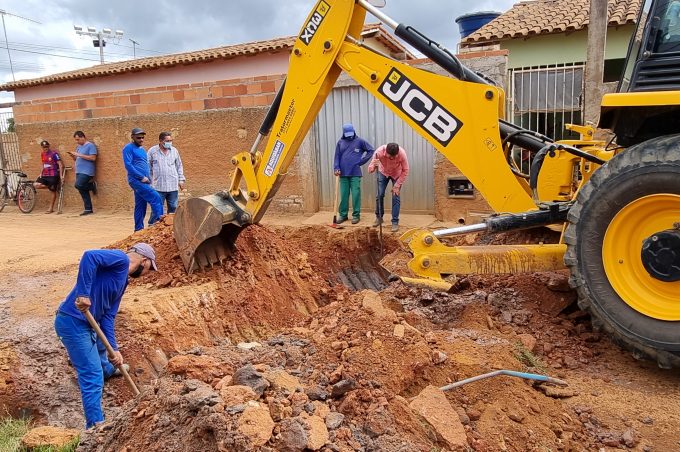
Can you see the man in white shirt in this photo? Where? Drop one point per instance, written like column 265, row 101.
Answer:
column 167, row 172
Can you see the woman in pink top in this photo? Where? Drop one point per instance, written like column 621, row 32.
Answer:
column 392, row 165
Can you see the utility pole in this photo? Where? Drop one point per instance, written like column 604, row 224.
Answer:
column 134, row 44
column 4, row 13
column 595, row 54
column 100, row 35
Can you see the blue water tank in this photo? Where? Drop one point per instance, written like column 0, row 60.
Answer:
column 469, row 23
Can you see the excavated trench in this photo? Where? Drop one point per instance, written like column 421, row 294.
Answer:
column 277, row 277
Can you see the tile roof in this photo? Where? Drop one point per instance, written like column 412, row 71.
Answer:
column 198, row 56
column 540, row 17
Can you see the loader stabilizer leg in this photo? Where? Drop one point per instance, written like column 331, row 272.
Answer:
column 206, row 229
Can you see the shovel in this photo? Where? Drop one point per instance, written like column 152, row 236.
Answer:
column 335, row 205
column 380, row 212
column 109, row 349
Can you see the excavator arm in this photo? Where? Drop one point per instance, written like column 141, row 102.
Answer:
column 459, row 116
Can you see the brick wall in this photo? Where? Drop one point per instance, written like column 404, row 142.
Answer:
column 248, row 92
column 206, row 141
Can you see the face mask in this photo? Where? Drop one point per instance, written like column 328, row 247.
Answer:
column 138, row 271
column 167, row 145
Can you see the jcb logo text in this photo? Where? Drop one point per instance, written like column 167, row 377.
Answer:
column 314, row 22
column 416, row 104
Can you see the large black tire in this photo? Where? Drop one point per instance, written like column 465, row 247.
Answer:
column 652, row 167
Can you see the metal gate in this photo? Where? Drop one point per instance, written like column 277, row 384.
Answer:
column 378, row 125
column 10, row 158
column 544, row 99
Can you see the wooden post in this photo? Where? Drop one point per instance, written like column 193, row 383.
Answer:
column 595, row 55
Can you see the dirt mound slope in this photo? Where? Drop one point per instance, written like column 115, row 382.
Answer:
column 350, row 378
column 275, row 278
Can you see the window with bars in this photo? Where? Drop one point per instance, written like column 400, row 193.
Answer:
column 544, row 99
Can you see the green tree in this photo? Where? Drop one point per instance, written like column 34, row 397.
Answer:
column 10, row 125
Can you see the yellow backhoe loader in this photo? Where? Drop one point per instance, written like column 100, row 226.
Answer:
column 618, row 205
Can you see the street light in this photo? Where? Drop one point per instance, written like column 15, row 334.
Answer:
column 100, row 35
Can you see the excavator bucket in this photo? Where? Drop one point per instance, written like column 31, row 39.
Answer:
column 205, row 230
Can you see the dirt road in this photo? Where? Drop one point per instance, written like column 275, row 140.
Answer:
column 282, row 284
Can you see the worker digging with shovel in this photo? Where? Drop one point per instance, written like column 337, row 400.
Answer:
column 90, row 309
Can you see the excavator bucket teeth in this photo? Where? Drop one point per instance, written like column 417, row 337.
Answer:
column 205, row 230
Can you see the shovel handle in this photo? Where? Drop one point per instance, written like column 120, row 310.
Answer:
column 335, row 201
column 109, row 349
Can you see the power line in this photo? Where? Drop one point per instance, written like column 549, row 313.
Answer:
column 54, row 54
column 69, row 49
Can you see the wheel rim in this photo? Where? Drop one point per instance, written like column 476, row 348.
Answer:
column 622, row 258
column 26, row 199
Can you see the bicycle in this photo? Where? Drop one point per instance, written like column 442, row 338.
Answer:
column 23, row 195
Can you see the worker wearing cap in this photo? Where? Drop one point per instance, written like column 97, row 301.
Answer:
column 139, row 178
column 100, row 285
column 351, row 153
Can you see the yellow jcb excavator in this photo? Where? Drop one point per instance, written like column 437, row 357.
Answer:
column 619, row 205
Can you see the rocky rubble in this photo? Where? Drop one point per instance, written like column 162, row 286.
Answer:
column 343, row 381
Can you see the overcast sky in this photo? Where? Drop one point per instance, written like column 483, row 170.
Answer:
column 170, row 26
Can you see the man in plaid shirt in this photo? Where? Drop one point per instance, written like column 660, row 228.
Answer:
column 51, row 172
column 167, row 172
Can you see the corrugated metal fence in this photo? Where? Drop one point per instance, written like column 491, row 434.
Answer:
column 378, row 125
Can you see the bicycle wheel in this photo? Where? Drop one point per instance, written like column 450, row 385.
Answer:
column 26, row 197
column 3, row 197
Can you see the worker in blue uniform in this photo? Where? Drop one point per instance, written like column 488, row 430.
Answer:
column 139, row 178
column 100, row 285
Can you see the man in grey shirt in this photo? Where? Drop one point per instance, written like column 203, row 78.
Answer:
column 85, row 156
column 167, row 173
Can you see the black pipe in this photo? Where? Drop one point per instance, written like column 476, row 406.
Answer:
column 438, row 54
column 273, row 111
column 556, row 213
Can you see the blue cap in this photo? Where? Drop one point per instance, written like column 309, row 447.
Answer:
column 348, row 130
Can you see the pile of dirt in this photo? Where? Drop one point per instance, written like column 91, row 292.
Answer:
column 270, row 352
column 275, row 278
column 356, row 376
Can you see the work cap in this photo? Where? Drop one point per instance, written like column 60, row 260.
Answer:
column 44, row 143
column 146, row 250
column 138, row 131
column 348, row 130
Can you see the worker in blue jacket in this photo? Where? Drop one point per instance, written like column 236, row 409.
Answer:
column 101, row 282
column 139, row 179
column 351, row 153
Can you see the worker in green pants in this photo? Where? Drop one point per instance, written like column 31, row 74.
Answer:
column 351, row 153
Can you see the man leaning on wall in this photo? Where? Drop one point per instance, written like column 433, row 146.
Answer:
column 85, row 156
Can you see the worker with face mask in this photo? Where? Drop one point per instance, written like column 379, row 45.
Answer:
column 100, row 285
column 167, row 172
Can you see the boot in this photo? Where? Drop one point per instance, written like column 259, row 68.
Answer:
column 377, row 222
column 395, row 227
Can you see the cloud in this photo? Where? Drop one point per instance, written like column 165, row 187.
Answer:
column 169, row 26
